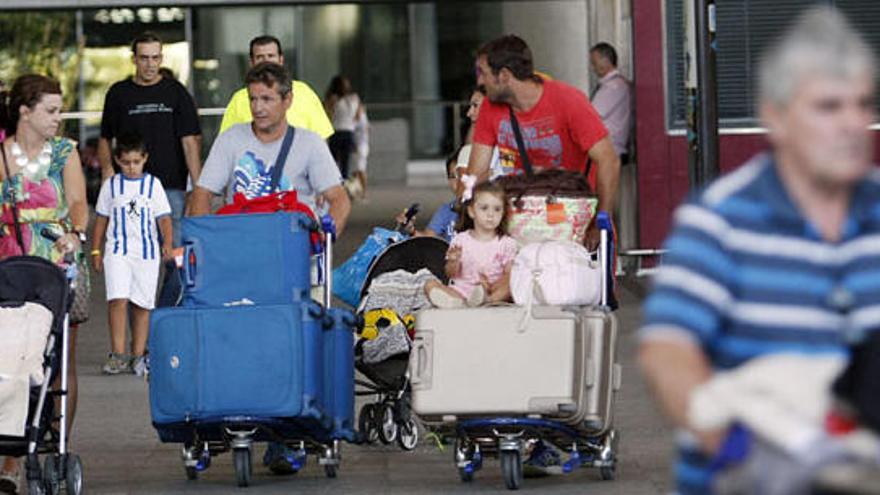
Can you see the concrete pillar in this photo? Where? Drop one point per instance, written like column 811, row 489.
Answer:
column 556, row 31
column 427, row 121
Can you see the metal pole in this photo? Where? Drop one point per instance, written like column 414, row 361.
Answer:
column 703, row 135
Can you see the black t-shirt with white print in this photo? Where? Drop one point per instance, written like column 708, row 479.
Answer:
column 161, row 114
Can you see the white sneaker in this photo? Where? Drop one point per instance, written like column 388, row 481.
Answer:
column 140, row 366
column 443, row 300
column 477, row 297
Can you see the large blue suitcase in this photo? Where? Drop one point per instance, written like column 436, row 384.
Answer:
column 258, row 361
column 262, row 258
column 339, row 371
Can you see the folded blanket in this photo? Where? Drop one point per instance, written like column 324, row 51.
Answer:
column 400, row 290
column 23, row 332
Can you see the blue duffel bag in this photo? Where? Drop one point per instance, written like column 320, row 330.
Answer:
column 255, row 361
column 348, row 277
column 260, row 258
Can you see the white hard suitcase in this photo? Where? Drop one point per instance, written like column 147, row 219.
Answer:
column 547, row 361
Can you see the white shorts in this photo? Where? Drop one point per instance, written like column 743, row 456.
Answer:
column 132, row 279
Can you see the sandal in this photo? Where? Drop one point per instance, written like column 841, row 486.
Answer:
column 9, row 482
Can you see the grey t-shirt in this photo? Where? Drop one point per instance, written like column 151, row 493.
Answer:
column 239, row 162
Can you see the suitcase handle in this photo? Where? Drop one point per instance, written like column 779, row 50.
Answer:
column 421, row 365
column 190, row 261
column 603, row 221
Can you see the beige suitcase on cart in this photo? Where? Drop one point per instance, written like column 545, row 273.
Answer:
column 553, row 362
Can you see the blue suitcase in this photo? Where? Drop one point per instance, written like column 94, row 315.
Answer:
column 255, row 361
column 339, row 372
column 262, row 258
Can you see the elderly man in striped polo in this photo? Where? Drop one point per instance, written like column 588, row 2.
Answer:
column 782, row 255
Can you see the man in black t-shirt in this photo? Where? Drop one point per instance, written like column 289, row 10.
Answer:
column 163, row 113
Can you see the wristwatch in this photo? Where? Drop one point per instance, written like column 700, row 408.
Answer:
column 81, row 235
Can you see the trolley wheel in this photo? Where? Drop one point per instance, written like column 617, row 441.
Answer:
column 191, row 473
column 36, row 487
column 408, row 434
column 330, row 470
column 511, row 469
column 242, row 460
column 387, row 426
column 74, row 476
column 465, row 476
column 367, row 424
column 50, row 475
column 608, row 473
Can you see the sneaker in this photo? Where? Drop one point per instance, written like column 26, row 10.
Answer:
column 140, row 365
column 444, row 300
column 543, row 461
column 477, row 297
column 116, row 364
column 276, row 458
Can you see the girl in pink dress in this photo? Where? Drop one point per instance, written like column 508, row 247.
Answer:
column 480, row 255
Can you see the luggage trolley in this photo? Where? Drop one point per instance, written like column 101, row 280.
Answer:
column 310, row 411
column 583, row 428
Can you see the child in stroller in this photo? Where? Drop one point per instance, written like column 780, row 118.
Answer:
column 391, row 292
column 28, row 283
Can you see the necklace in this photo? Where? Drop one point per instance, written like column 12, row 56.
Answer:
column 34, row 170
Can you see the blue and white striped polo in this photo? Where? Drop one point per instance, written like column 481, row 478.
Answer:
column 747, row 275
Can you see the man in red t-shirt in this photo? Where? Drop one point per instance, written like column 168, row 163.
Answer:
column 559, row 126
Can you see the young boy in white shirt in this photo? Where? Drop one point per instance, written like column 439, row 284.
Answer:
column 129, row 207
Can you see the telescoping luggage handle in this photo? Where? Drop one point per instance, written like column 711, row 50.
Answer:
column 329, row 228
column 603, row 221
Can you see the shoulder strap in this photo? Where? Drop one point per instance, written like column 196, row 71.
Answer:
column 12, row 201
column 282, row 158
column 527, row 164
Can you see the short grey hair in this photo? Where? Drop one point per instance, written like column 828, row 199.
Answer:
column 822, row 42
column 270, row 74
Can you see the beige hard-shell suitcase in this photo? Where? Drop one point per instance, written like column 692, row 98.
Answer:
column 548, row 361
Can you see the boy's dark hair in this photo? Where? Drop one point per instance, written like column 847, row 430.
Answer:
column 510, row 52
column 264, row 39
column 145, row 37
column 465, row 222
column 272, row 75
column 128, row 142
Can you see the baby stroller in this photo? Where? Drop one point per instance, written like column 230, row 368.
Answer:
column 25, row 280
column 388, row 417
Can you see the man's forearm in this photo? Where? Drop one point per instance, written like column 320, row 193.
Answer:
column 673, row 370
column 607, row 182
column 478, row 164
column 340, row 212
column 192, row 154
column 105, row 158
column 200, row 202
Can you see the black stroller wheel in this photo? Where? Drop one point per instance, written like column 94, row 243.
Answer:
column 387, row 425
column 408, row 434
column 50, row 475
column 74, row 475
column 368, row 424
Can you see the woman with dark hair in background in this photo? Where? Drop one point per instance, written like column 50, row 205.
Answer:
column 41, row 176
column 344, row 108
